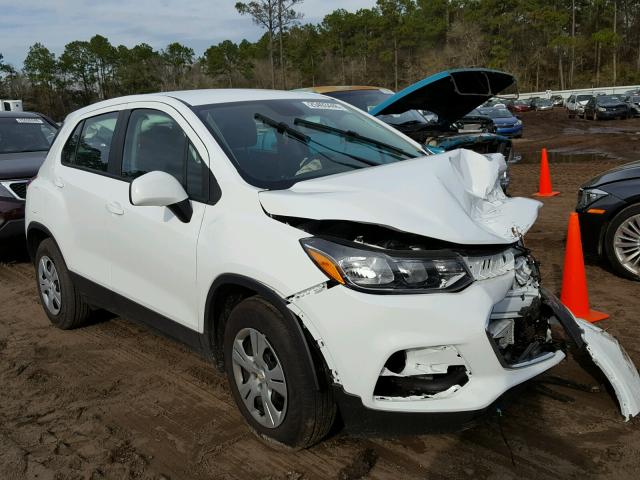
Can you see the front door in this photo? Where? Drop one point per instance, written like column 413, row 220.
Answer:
column 153, row 252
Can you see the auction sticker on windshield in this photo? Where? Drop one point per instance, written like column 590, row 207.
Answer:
column 325, row 106
column 28, row 120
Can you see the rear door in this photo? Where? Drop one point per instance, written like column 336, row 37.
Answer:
column 85, row 183
column 153, row 252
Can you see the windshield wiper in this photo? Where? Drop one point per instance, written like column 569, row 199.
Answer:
column 354, row 136
column 282, row 128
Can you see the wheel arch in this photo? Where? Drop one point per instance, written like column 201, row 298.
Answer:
column 225, row 293
column 36, row 233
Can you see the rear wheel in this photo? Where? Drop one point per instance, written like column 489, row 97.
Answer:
column 271, row 384
column 59, row 297
column 622, row 242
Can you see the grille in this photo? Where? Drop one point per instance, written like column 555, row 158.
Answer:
column 18, row 188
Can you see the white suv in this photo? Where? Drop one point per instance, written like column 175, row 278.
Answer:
column 326, row 261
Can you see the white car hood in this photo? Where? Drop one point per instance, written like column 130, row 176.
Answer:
column 453, row 196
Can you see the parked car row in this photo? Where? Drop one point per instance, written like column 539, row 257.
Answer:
column 600, row 107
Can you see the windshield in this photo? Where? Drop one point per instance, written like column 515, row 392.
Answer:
column 367, row 99
column 582, row 98
column 497, row 113
column 635, row 99
column 27, row 134
column 608, row 100
column 276, row 143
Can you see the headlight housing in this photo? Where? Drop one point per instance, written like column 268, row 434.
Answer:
column 518, row 122
column 601, row 109
column 587, row 196
column 377, row 271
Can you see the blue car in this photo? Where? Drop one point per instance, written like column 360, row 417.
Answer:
column 506, row 123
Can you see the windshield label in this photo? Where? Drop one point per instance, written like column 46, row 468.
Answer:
column 28, row 120
column 325, row 106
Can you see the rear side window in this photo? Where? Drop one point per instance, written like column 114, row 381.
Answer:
column 155, row 142
column 90, row 143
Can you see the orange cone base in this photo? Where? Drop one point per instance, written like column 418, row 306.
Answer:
column 550, row 194
column 594, row 316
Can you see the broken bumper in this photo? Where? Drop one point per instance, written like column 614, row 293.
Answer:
column 359, row 332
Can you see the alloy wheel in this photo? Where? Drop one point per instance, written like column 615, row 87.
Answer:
column 626, row 243
column 259, row 377
column 49, row 285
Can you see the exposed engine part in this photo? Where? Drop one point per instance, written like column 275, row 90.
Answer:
column 520, row 327
column 490, row 266
column 502, row 331
column 422, row 372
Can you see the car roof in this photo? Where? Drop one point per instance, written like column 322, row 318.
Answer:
column 338, row 88
column 202, row 97
column 15, row 114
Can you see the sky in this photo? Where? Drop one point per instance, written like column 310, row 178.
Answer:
column 196, row 23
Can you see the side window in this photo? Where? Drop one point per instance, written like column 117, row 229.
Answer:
column 155, row 141
column 93, row 143
column 69, row 149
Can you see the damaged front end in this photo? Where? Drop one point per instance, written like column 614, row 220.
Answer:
column 526, row 327
column 426, row 265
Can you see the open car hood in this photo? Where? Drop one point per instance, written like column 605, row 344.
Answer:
column 453, row 196
column 450, row 94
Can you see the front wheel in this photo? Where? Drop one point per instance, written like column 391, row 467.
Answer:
column 59, row 297
column 271, row 383
column 622, row 243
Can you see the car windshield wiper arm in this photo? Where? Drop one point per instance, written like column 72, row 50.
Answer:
column 282, row 127
column 351, row 135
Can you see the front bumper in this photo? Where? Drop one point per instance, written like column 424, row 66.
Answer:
column 511, row 131
column 611, row 114
column 11, row 218
column 358, row 332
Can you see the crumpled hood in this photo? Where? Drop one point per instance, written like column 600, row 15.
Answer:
column 450, row 94
column 454, row 196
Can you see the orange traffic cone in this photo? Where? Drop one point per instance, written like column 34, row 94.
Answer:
column 574, row 279
column 545, row 189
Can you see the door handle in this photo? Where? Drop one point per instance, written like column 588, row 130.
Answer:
column 58, row 182
column 115, row 208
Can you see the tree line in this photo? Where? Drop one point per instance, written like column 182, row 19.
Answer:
column 555, row 44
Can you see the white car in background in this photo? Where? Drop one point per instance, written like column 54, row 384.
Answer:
column 323, row 259
column 575, row 104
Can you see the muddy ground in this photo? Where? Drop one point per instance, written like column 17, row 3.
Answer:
column 113, row 400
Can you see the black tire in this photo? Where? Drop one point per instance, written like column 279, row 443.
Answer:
column 310, row 413
column 72, row 311
column 609, row 239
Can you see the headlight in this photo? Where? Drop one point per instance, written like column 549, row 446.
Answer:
column 381, row 272
column 518, row 122
column 587, row 196
column 601, row 109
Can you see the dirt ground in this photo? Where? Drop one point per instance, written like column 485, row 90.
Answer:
column 115, row 401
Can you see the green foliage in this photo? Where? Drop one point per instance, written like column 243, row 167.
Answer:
column 391, row 44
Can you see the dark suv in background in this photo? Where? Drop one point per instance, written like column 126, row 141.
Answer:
column 24, row 142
